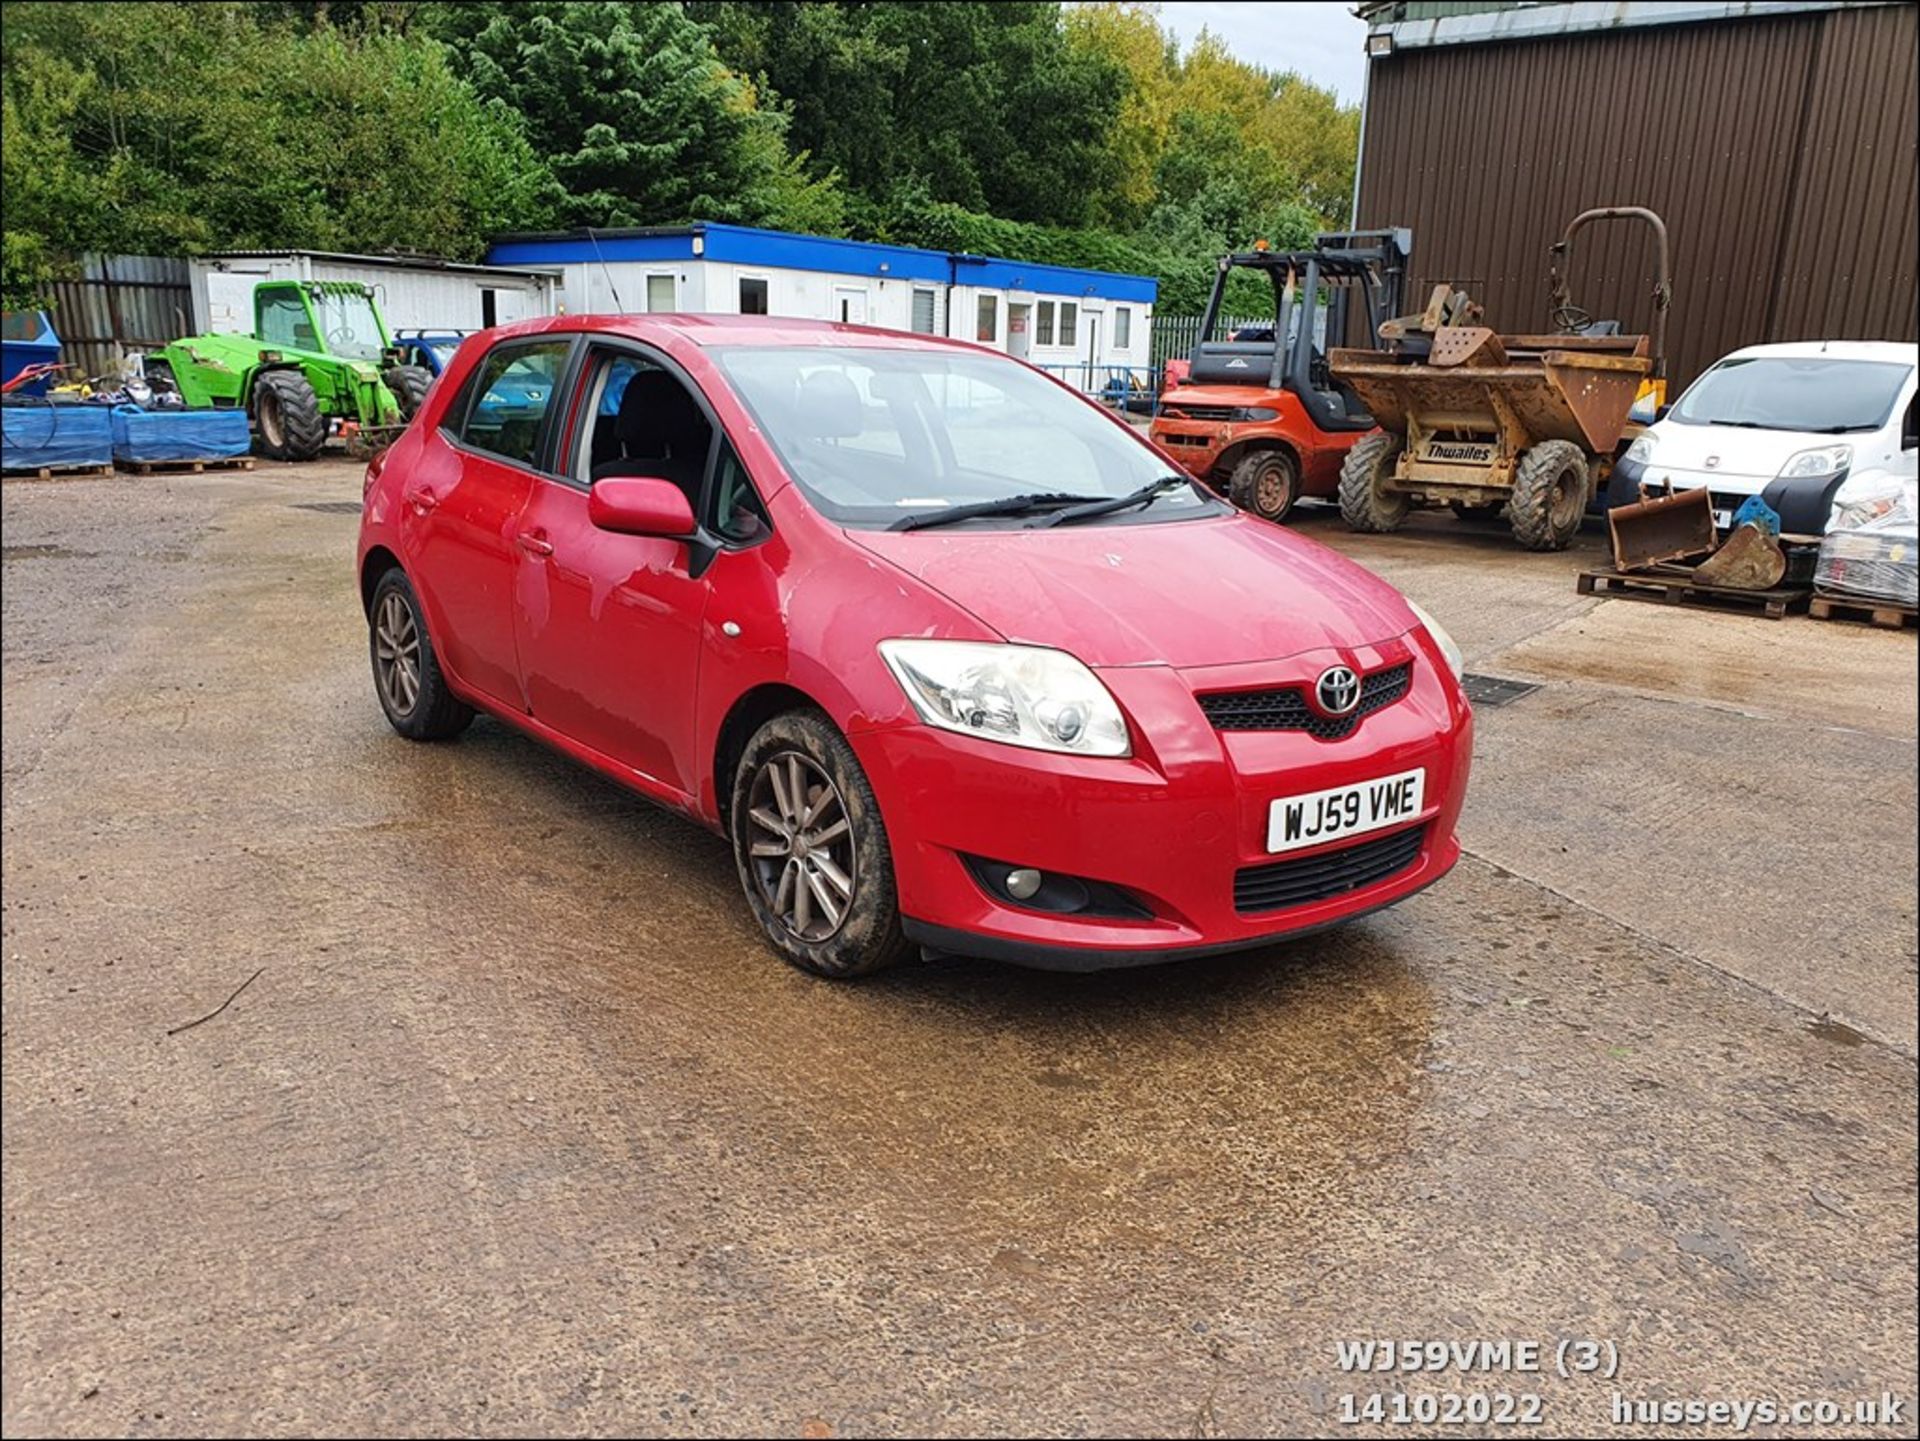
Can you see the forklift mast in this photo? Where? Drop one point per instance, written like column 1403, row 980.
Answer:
column 1372, row 261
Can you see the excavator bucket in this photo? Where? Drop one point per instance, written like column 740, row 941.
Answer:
column 1667, row 527
column 1750, row 560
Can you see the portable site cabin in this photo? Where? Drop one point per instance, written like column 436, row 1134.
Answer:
column 1087, row 326
column 414, row 293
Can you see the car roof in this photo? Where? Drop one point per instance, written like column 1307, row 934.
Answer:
column 724, row 330
column 1892, row 352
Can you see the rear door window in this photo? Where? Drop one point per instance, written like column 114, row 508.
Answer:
column 509, row 399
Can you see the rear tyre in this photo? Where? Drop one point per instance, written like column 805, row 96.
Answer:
column 1366, row 502
column 287, row 424
column 1549, row 495
column 812, row 851
column 409, row 386
column 406, row 673
column 1267, row 483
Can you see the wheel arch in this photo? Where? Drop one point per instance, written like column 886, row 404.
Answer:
column 376, row 563
column 1230, row 457
column 751, row 710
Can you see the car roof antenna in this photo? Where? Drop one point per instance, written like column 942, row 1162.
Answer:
column 606, row 270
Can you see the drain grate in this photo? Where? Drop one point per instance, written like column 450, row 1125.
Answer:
column 329, row 507
column 1493, row 690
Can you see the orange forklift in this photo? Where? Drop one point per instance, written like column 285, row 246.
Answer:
column 1259, row 417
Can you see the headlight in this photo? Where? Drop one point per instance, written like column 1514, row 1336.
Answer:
column 1641, row 451
column 1252, row 412
column 1022, row 695
column 1440, row 638
column 1821, row 460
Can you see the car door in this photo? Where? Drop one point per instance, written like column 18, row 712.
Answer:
column 461, row 507
column 610, row 625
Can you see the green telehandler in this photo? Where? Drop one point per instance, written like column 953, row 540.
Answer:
column 319, row 353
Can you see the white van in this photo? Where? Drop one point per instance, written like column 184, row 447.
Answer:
column 1805, row 426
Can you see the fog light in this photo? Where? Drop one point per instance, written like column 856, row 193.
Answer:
column 1023, row 884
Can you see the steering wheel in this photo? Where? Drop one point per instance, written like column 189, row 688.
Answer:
column 1571, row 319
column 340, row 336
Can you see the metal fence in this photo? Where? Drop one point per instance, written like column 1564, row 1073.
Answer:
column 1175, row 335
column 119, row 303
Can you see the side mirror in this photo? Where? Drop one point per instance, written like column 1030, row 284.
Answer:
column 641, row 505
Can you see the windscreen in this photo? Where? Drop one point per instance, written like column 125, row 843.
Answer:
column 348, row 325
column 873, row 434
column 1813, row 393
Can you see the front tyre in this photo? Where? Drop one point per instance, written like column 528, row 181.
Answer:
column 1367, row 500
column 1266, row 483
column 1549, row 495
column 406, row 673
column 409, row 386
column 812, row 851
column 287, row 422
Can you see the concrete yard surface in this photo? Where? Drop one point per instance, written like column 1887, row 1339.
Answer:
column 519, row 1128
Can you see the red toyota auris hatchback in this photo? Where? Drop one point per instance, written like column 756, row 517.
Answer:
column 950, row 654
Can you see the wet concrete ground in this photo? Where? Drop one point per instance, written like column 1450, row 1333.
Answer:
column 520, row 1130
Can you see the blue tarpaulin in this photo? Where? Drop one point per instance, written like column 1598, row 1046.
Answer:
column 43, row 433
column 158, row 435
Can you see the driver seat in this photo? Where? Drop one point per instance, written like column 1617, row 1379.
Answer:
column 660, row 431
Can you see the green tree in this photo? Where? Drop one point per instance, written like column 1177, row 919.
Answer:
column 632, row 111
column 987, row 103
column 1128, row 36
column 178, row 128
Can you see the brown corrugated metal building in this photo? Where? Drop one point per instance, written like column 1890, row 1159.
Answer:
column 1777, row 140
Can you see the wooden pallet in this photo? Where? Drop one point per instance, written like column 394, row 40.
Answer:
column 1887, row 613
column 1676, row 586
column 61, row 472
column 185, row 467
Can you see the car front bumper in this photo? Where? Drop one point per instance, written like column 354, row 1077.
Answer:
column 1172, row 826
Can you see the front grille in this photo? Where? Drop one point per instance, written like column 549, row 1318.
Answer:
column 1200, row 412
column 1332, row 873
column 1174, row 438
column 1286, row 709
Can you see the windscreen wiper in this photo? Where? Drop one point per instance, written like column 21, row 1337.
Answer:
column 1107, row 505
column 1005, row 505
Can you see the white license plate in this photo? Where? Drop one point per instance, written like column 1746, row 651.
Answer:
column 1294, row 822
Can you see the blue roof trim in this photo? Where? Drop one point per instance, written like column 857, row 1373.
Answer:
column 783, row 250
column 566, row 249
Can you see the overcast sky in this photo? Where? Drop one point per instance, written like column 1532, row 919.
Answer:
column 1324, row 41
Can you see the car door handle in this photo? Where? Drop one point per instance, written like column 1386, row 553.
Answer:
column 422, row 501
column 534, row 543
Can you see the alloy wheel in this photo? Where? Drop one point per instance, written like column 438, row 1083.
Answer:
column 801, row 846
column 397, row 653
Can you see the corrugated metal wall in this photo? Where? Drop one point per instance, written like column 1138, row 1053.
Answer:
column 1780, row 151
column 120, row 303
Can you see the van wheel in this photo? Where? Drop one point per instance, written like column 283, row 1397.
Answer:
column 1483, row 510
column 812, row 851
column 1266, row 483
column 1549, row 495
column 1366, row 502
